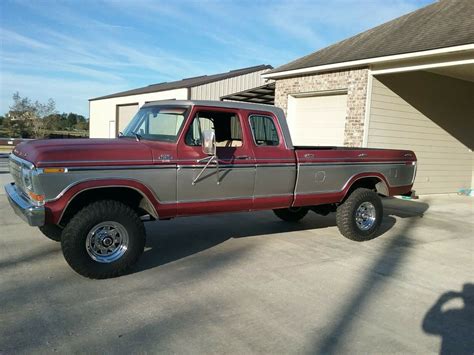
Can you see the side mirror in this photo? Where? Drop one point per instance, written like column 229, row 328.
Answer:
column 209, row 142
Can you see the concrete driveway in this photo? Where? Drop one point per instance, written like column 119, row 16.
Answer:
column 249, row 283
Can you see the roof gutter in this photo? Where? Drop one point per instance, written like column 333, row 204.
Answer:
column 366, row 62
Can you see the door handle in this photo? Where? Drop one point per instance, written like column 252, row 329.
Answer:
column 242, row 157
column 362, row 155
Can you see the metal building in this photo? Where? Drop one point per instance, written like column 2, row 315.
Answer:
column 111, row 113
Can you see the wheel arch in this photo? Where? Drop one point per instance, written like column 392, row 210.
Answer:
column 373, row 181
column 132, row 193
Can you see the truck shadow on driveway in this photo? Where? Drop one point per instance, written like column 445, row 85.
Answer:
column 169, row 241
column 334, row 335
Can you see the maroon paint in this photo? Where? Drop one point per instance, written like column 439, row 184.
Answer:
column 128, row 152
column 54, row 209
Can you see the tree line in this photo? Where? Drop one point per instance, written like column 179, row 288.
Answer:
column 28, row 119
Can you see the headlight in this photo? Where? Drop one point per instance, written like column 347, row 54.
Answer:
column 27, row 176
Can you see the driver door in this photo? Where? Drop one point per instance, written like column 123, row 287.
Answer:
column 226, row 187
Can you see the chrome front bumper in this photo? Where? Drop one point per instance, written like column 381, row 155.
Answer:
column 33, row 215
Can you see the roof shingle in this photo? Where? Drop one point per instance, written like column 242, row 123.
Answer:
column 445, row 23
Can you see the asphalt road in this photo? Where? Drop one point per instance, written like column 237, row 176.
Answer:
column 249, row 283
column 3, row 163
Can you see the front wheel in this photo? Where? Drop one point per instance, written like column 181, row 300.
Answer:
column 292, row 214
column 103, row 240
column 360, row 216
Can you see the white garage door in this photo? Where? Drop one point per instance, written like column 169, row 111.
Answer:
column 317, row 120
column 124, row 114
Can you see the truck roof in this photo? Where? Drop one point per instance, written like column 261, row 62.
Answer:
column 226, row 104
column 278, row 112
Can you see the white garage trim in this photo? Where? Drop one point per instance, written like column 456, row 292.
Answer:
column 422, row 67
column 368, row 102
column 364, row 62
column 319, row 93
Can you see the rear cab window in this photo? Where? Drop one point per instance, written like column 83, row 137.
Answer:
column 264, row 130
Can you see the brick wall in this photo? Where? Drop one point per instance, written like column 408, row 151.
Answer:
column 354, row 81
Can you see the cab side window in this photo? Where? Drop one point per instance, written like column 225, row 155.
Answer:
column 225, row 124
column 264, row 130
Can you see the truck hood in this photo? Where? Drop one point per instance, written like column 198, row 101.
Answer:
column 85, row 152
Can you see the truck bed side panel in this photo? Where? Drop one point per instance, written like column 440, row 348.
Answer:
column 324, row 176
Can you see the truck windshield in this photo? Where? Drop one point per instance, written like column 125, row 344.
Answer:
column 156, row 123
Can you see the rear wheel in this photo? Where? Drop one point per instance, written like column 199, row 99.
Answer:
column 292, row 214
column 52, row 231
column 103, row 240
column 360, row 216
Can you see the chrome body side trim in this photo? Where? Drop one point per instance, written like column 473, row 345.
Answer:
column 247, row 197
column 55, row 162
column 133, row 167
column 361, row 163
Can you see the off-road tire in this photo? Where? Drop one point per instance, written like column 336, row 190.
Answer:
column 346, row 215
column 52, row 231
column 73, row 241
column 292, row 214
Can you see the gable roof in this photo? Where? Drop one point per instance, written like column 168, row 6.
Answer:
column 446, row 23
column 186, row 83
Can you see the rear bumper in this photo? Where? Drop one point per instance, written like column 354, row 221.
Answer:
column 31, row 214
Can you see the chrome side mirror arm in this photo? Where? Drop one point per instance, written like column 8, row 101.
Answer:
column 210, row 159
column 208, row 147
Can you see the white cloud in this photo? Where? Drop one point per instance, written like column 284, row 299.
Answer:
column 72, row 54
column 11, row 37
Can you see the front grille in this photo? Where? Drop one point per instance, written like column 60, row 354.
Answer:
column 15, row 171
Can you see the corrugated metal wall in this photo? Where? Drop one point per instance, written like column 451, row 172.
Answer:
column 444, row 163
column 214, row 91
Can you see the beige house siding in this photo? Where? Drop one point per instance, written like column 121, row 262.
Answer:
column 354, row 82
column 444, row 164
column 217, row 89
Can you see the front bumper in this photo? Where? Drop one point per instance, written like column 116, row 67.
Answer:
column 31, row 214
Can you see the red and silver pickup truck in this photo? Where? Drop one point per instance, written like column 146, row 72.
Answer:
column 183, row 158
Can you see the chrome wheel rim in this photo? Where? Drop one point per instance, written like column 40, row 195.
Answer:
column 365, row 216
column 107, row 242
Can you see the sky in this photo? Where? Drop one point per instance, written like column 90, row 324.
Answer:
column 72, row 51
